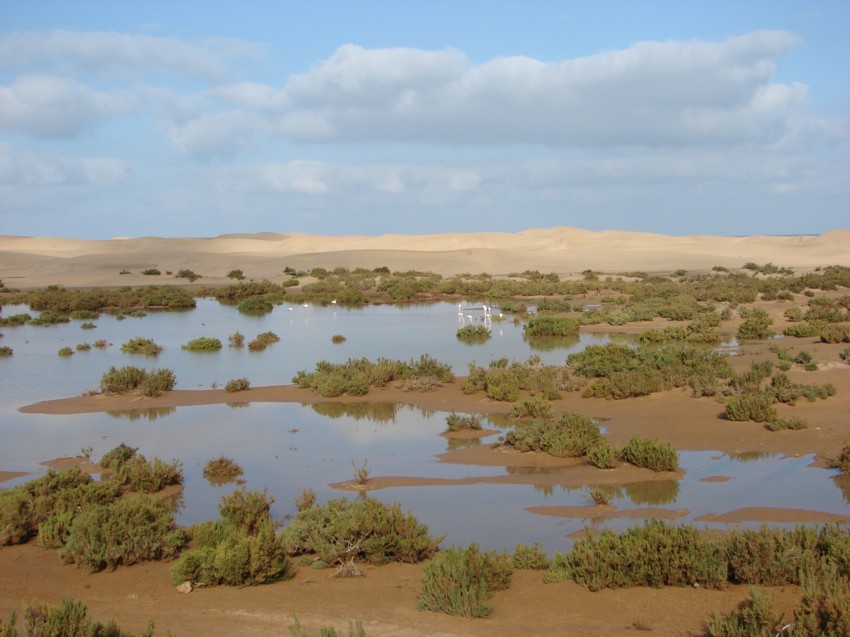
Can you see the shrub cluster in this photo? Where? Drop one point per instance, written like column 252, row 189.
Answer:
column 462, row 582
column 237, row 384
column 473, row 334
column 203, row 344
column 68, row 619
column 127, row 379
column 241, row 549
column 366, row 529
column 355, row 376
column 456, row 422
column 572, row 435
column 547, row 325
column 141, row 345
column 650, row 454
column 502, row 380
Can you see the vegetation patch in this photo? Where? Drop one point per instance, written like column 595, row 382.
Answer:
column 462, row 582
column 365, row 529
column 651, row 454
column 141, row 345
column 237, row 384
column 127, row 379
column 203, row 344
column 473, row 334
column 572, row 435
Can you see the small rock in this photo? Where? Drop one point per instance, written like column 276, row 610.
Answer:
column 185, row 587
column 696, row 584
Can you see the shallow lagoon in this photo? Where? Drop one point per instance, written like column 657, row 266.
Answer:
column 289, row 447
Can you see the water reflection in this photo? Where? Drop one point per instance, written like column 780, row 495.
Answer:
column 454, row 444
column 143, row 413
column 842, row 481
column 551, row 343
column 375, row 412
column 238, row 404
column 751, row 456
column 652, row 492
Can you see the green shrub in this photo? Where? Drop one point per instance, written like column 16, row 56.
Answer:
column 545, row 325
column 68, row 619
column 338, row 338
column 843, row 460
column 570, row 436
column 752, row 617
column 462, row 582
column 473, row 334
column 65, row 351
column 131, row 530
column 83, row 347
column 235, row 274
column 5, row 350
column 48, row 318
column 237, row 384
column 651, row 454
column 655, row 554
column 534, row 407
column 236, row 339
column 604, row 455
column 151, row 272
column 835, row 334
column 794, row 424
column 141, row 345
column 378, row 533
column 245, row 509
column 755, row 328
column 824, row 609
column 456, row 422
column 268, row 337
column 143, row 476
column 203, row 344
column 157, row 381
column 757, row 407
column 530, row 557
column 187, row 274
column 255, row 305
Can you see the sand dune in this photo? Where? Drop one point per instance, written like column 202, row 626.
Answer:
column 37, row 261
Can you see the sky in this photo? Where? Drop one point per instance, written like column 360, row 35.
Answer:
column 372, row 117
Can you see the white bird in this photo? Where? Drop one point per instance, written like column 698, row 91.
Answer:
column 333, row 302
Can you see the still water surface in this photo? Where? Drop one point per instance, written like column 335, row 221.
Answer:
column 288, row 447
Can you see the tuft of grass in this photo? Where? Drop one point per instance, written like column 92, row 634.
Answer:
column 361, row 473
column 530, row 557
column 237, row 339
column 457, row 422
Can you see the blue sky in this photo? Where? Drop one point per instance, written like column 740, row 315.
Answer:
column 374, row 117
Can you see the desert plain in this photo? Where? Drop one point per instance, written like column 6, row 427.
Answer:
column 385, row 599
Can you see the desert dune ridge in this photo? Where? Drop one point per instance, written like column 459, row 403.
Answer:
column 37, row 261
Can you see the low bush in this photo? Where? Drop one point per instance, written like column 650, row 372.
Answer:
column 655, row 554
column 651, row 454
column 65, row 351
column 68, row 619
column 462, row 582
column 843, row 460
column 187, row 274
column 255, row 305
column 203, row 344
column 534, row 407
column 546, row 325
column 337, row 339
column 141, row 345
column 473, row 334
column 835, row 334
column 572, row 435
column 456, row 422
column 127, row 379
column 5, row 350
column 757, row 407
column 83, row 347
column 236, row 339
column 604, row 455
column 237, row 384
column 143, row 476
column 530, row 557
column 242, row 549
column 365, row 529
column 129, row 531
column 752, row 617
column 151, row 272
column 794, row 424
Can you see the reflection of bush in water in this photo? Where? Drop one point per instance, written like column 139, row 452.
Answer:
column 238, row 404
column 750, row 456
column 453, row 444
column 655, row 492
column 148, row 413
column 550, row 343
column 531, row 471
column 376, row 412
column 843, row 483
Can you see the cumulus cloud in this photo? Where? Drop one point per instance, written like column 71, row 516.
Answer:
column 121, row 54
column 55, row 107
column 29, row 169
column 650, row 93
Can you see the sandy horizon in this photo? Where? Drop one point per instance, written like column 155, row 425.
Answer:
column 27, row 262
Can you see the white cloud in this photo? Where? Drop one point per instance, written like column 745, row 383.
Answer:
column 120, row 54
column 29, row 169
column 50, row 106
